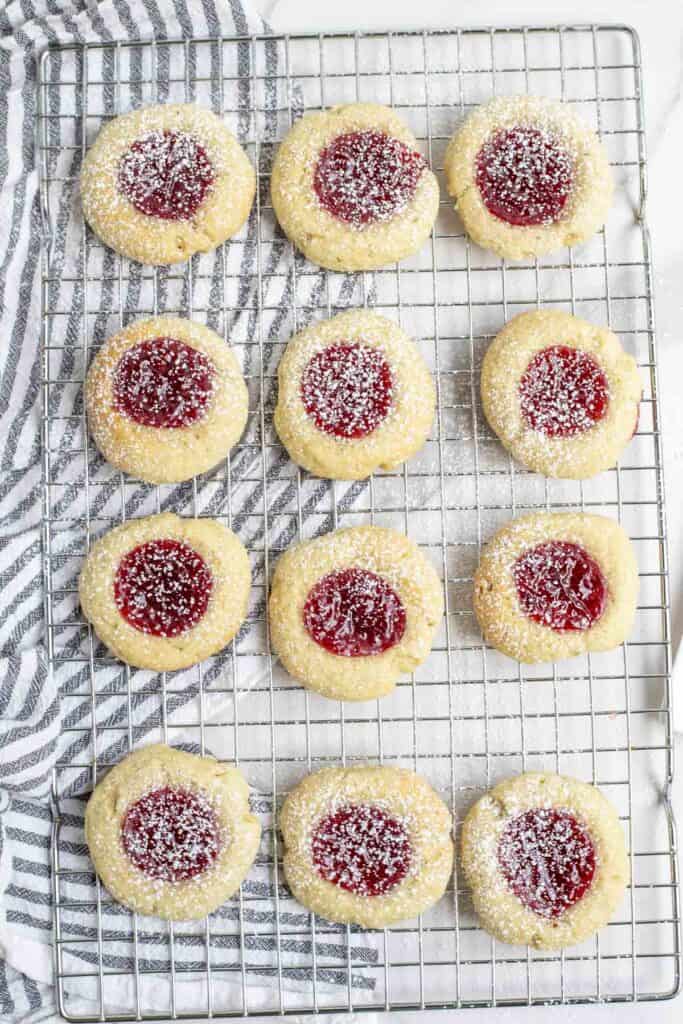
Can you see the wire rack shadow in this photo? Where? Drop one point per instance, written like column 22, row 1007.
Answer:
column 469, row 717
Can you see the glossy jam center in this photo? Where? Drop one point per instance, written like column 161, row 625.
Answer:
column 361, row 849
column 559, row 585
column 171, row 834
column 354, row 613
column 166, row 174
column 563, row 392
column 365, row 177
column 524, row 175
column 548, row 860
column 163, row 587
column 347, row 390
column 162, row 382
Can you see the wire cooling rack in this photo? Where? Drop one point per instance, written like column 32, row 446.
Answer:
column 469, row 716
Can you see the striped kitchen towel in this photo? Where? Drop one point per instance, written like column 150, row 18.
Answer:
column 45, row 717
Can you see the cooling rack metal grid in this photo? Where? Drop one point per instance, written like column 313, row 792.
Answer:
column 469, row 716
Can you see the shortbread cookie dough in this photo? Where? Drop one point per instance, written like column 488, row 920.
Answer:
column 551, row 585
column 560, row 393
column 545, row 858
column 354, row 609
column 528, row 177
column 350, row 189
column 366, row 845
column 164, row 592
column 165, row 399
column 170, row 833
column 354, row 395
column 164, row 182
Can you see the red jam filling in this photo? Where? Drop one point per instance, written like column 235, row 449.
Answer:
column 166, row 174
column 365, row 177
column 162, row 382
column 559, row 585
column 354, row 613
column 548, row 860
column 347, row 390
column 563, row 392
column 361, row 849
column 171, row 834
column 524, row 175
column 162, row 587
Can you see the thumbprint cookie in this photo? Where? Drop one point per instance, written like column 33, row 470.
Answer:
column 354, row 609
column 560, row 393
column 165, row 592
column 350, row 189
column 165, row 182
column 552, row 585
column 354, row 395
column 366, row 845
column 545, row 858
column 165, row 399
column 170, row 833
column 528, row 177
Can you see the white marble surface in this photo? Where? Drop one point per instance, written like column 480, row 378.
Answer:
column 659, row 24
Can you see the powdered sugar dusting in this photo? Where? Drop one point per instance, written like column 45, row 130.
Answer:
column 548, row 860
column 163, row 382
column 354, row 613
column 362, row 849
column 166, row 174
column 380, row 837
column 563, row 392
column 366, row 177
column 525, row 175
column 171, row 834
column 348, row 389
column 163, row 587
column 560, row 586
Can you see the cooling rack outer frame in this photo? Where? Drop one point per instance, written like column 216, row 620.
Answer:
column 493, row 961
